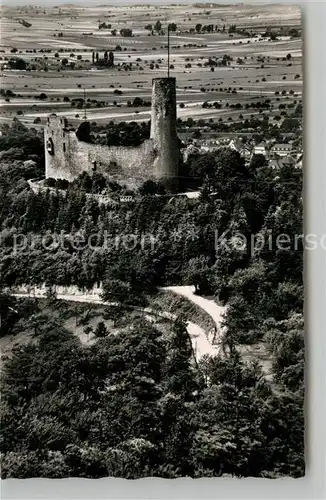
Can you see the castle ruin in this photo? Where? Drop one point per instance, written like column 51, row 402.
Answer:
column 157, row 158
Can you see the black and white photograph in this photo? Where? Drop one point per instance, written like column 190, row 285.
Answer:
column 151, row 241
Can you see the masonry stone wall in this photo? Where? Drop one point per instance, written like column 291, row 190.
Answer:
column 128, row 165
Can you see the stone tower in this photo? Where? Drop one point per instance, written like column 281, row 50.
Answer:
column 164, row 133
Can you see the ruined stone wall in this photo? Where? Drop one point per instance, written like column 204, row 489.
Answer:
column 127, row 165
column 164, row 132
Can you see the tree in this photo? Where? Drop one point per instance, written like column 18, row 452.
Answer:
column 88, row 330
column 17, row 63
column 126, row 32
column 181, row 379
column 198, row 27
column 113, row 313
column 197, row 274
column 237, row 442
column 158, row 26
column 285, row 340
column 100, row 330
column 152, row 188
column 115, row 290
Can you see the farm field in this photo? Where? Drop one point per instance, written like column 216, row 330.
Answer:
column 58, row 48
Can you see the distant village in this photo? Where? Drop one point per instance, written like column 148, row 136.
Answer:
column 277, row 154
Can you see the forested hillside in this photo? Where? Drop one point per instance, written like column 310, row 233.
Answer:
column 137, row 404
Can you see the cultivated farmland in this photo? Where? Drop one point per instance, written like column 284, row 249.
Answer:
column 230, row 55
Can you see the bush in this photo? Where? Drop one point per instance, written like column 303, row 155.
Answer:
column 101, row 330
column 178, row 305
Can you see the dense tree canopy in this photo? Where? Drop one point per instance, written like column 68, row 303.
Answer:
column 137, row 404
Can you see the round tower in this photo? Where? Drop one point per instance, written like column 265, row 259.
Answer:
column 164, row 132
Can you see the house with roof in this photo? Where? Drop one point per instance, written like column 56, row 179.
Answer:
column 235, row 144
column 280, row 162
column 282, row 149
column 299, row 161
column 126, row 198
column 245, row 152
column 260, row 149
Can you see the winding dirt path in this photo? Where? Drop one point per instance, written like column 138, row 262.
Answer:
column 208, row 305
column 215, row 311
column 198, row 337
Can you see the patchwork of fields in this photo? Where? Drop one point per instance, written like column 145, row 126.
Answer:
column 257, row 66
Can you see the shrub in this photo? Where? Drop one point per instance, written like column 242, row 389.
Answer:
column 100, row 330
column 175, row 304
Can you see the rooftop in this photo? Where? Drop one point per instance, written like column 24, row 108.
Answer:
column 282, row 146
